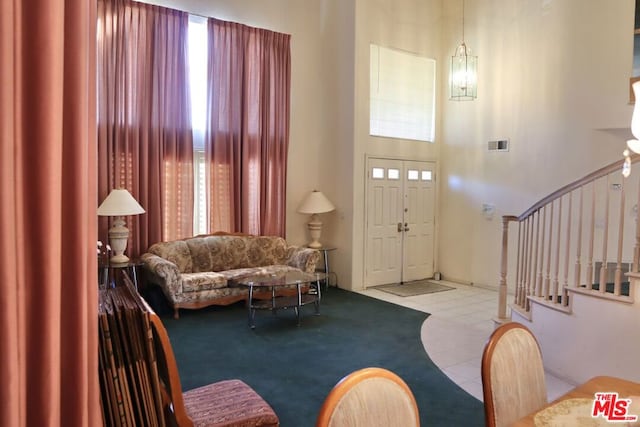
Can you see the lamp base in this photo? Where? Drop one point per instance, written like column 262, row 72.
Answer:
column 118, row 237
column 314, row 245
column 119, row 259
column 315, row 230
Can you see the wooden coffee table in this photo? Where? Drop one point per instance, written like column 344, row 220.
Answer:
column 302, row 281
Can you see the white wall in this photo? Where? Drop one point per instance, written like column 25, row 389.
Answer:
column 597, row 338
column 553, row 78
column 410, row 25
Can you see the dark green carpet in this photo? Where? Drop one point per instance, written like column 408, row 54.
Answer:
column 294, row 367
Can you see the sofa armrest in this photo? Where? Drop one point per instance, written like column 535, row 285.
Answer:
column 163, row 273
column 303, row 258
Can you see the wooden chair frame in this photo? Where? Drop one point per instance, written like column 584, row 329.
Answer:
column 487, row 355
column 346, row 384
column 173, row 399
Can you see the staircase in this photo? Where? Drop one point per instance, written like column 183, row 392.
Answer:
column 569, row 272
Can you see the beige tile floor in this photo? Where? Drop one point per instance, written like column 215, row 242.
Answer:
column 455, row 334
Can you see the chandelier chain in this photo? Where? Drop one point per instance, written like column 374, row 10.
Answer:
column 462, row 21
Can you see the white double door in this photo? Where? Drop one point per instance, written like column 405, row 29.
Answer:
column 400, row 221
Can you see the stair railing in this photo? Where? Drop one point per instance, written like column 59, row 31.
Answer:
column 573, row 240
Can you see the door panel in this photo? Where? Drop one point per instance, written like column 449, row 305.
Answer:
column 400, row 221
column 384, row 211
column 419, row 216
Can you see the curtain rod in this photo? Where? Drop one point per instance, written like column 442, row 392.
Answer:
column 205, row 16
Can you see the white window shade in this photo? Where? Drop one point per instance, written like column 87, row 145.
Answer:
column 402, row 94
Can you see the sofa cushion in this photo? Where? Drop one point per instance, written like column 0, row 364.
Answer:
column 202, row 281
column 177, row 252
column 238, row 274
column 201, row 256
column 232, row 252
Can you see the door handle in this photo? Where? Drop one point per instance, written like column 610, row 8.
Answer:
column 404, row 227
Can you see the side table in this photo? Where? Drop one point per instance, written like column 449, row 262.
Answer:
column 327, row 270
column 106, row 272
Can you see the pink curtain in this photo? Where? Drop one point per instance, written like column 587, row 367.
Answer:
column 48, row 286
column 248, row 128
column 144, row 119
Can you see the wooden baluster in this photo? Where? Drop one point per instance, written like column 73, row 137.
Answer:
column 576, row 282
column 547, row 279
column 556, row 272
column 525, row 265
column 605, row 241
column 523, row 238
column 502, row 287
column 592, row 237
column 536, row 252
column 543, row 233
column 523, row 242
column 563, row 293
column 617, row 281
column 636, row 249
column 530, row 270
column 518, row 265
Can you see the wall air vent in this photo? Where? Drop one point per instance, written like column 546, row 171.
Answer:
column 498, row 145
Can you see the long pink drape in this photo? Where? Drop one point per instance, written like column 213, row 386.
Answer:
column 48, row 292
column 145, row 142
column 247, row 134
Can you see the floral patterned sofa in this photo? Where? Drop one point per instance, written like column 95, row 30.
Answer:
column 196, row 272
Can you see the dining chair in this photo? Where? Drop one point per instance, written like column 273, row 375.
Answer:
column 224, row 403
column 369, row 397
column 513, row 381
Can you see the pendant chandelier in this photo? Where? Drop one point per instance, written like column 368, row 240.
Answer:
column 633, row 144
column 464, row 68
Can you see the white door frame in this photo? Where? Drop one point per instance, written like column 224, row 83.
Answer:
column 365, row 219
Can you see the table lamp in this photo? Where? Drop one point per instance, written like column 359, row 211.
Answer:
column 315, row 203
column 119, row 203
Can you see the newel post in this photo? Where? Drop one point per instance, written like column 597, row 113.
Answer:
column 502, row 287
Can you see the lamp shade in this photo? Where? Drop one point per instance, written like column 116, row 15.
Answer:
column 635, row 118
column 119, row 203
column 315, row 203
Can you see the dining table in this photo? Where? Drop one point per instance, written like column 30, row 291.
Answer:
column 576, row 407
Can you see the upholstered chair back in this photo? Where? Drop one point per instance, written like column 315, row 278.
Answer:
column 370, row 397
column 512, row 375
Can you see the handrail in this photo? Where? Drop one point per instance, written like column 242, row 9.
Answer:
column 560, row 230
column 617, row 165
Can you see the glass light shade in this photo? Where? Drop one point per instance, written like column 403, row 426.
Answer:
column 634, row 145
column 119, row 203
column 316, row 203
column 464, row 75
column 635, row 119
column 626, row 166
